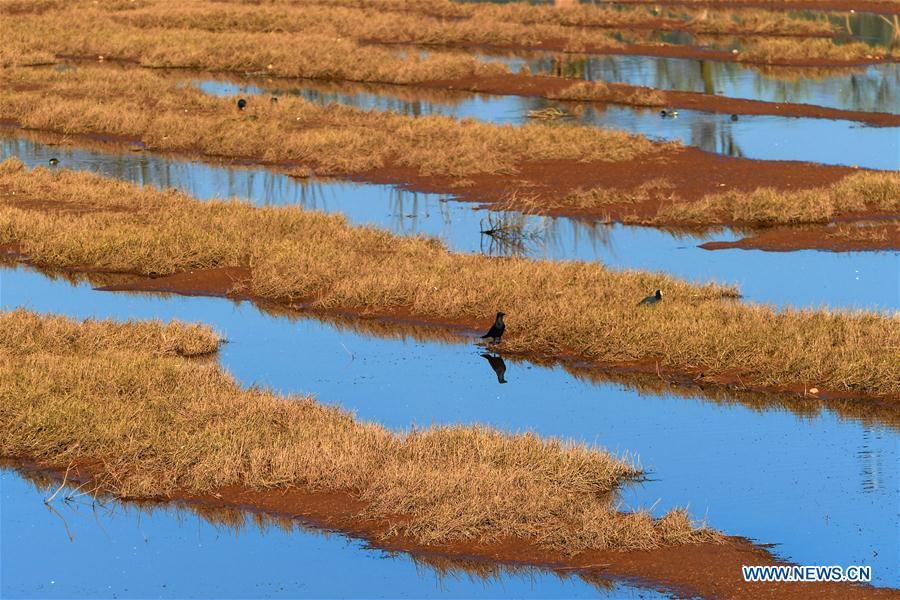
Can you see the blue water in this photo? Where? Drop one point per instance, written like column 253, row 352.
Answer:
column 125, row 551
column 873, row 88
column 803, row 278
column 822, row 487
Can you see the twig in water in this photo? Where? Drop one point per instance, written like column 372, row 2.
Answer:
column 61, row 486
column 65, row 523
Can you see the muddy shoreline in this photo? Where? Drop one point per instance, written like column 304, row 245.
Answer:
column 879, row 237
column 705, row 569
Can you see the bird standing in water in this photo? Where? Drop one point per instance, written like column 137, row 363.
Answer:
column 651, row 299
column 496, row 330
column 241, row 104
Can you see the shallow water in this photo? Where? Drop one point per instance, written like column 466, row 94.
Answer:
column 803, row 278
column 874, row 88
column 142, row 552
column 825, row 141
column 822, row 487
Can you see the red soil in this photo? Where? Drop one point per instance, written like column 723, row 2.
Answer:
column 884, row 237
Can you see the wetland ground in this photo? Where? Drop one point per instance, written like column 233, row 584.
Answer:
column 498, row 157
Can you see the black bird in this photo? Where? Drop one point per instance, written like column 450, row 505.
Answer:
column 651, row 299
column 241, row 103
column 671, row 112
column 497, row 364
column 53, row 161
column 496, row 330
column 734, row 117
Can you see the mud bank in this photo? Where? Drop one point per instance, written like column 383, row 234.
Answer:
column 884, row 237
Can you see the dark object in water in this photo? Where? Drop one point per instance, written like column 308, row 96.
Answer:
column 53, row 161
column 734, row 117
column 651, row 299
column 496, row 330
column 668, row 112
column 497, row 364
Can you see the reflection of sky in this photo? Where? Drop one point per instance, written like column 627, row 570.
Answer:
column 121, row 552
column 804, row 278
column 823, row 488
column 761, row 137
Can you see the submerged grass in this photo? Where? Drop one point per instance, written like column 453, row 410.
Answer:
column 118, row 396
column 578, row 310
column 865, row 192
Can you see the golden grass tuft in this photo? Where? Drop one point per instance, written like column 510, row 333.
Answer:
column 572, row 309
column 28, row 333
column 874, row 192
column 605, row 92
column 156, row 424
column 777, row 50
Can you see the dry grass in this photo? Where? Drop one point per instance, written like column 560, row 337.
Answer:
column 451, row 22
column 599, row 197
column 318, row 53
column 775, row 50
column 606, row 92
column 159, row 424
column 323, row 40
column 863, row 192
column 554, row 309
column 860, row 194
column 167, row 115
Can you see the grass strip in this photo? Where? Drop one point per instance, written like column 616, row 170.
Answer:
column 577, row 310
column 168, row 115
column 160, row 424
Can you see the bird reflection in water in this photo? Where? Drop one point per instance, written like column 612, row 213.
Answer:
column 497, row 364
